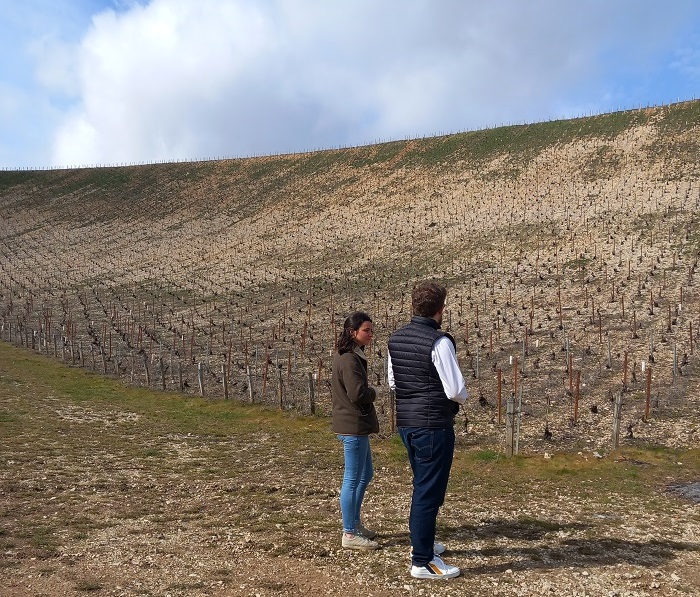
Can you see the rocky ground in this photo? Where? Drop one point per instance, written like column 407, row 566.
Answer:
column 109, row 495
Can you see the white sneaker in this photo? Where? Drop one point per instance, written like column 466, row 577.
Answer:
column 438, row 549
column 359, row 542
column 435, row 569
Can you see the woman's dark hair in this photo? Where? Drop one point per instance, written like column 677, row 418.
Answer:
column 428, row 298
column 346, row 343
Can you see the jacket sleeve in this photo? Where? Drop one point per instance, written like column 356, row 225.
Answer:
column 356, row 386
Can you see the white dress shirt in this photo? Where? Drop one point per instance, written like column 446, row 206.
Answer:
column 445, row 360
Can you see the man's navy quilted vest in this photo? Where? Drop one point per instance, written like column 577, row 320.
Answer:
column 420, row 397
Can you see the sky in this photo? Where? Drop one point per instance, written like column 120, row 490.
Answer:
column 117, row 82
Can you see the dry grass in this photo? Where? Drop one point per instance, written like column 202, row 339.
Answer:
column 122, row 491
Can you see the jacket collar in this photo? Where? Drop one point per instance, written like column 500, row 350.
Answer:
column 360, row 352
column 429, row 321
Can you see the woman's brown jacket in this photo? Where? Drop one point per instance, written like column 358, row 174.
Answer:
column 352, row 396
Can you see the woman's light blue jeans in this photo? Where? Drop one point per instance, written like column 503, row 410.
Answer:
column 358, row 473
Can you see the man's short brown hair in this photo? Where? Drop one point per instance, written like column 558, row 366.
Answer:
column 428, row 298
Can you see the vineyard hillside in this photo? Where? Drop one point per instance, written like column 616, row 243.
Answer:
column 569, row 249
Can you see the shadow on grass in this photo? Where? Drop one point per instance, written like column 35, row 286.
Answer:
column 578, row 553
column 530, row 529
column 551, row 550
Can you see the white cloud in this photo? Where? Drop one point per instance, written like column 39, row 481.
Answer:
column 150, row 76
column 184, row 79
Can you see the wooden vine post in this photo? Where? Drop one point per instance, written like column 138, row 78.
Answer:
column 510, row 425
column 280, row 400
column 571, row 374
column 617, row 417
column 249, row 375
column 559, row 309
column 510, row 412
column 312, row 399
column 691, row 337
column 224, row 378
column 647, row 405
column 498, row 390
column 200, row 377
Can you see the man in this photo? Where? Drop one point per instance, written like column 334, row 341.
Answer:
column 423, row 371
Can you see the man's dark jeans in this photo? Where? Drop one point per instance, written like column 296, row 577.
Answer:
column 430, row 453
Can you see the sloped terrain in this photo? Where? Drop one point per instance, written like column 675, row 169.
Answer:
column 569, row 249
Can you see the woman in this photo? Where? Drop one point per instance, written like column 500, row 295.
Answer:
column 354, row 418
